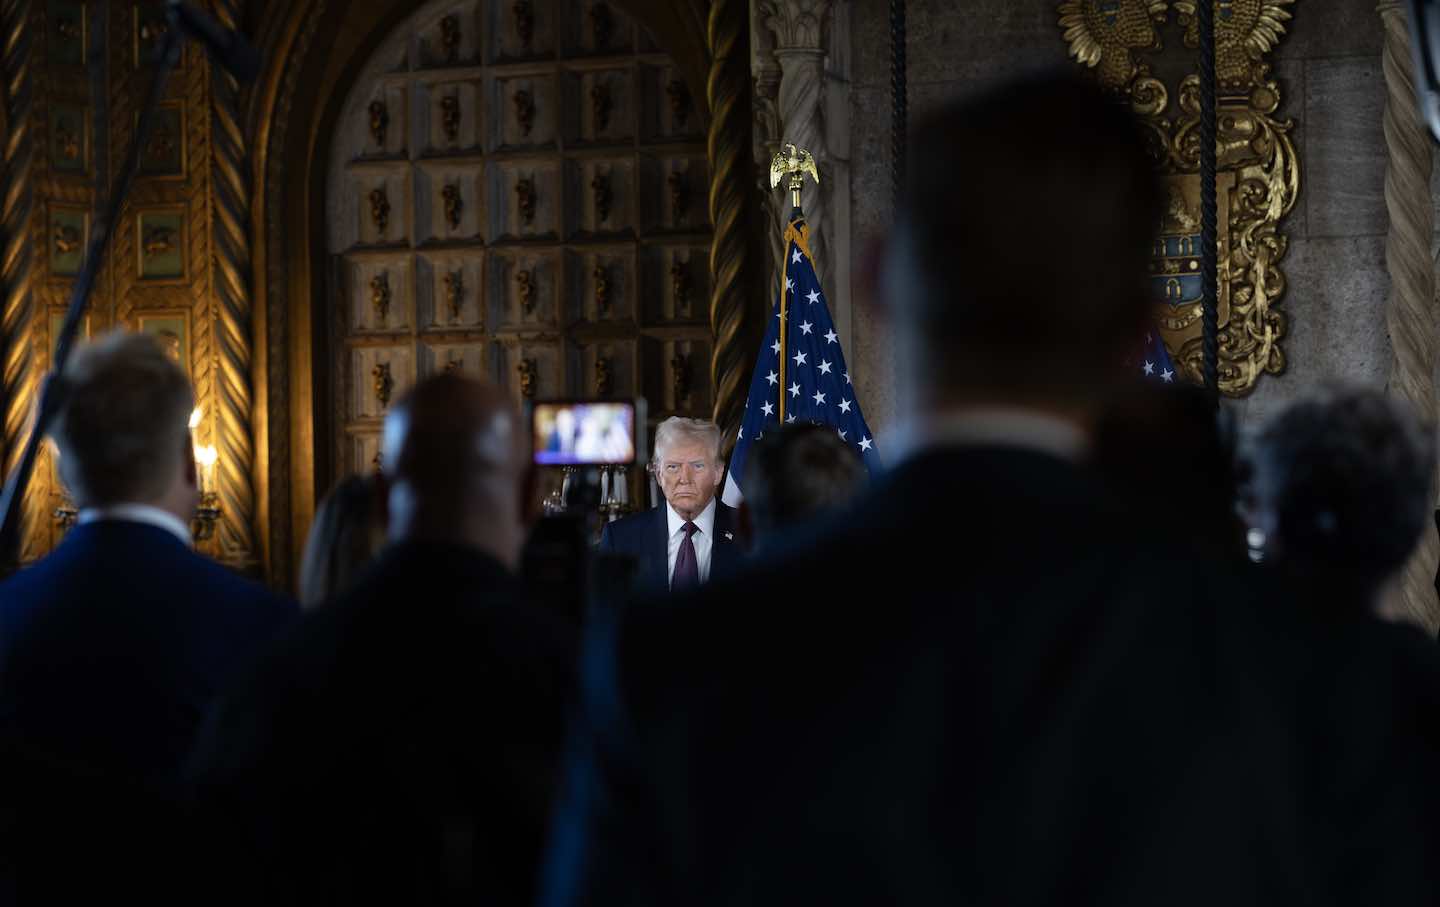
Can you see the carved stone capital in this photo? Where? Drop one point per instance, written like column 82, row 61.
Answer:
column 797, row 24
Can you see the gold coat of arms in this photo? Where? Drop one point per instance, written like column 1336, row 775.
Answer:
column 1258, row 173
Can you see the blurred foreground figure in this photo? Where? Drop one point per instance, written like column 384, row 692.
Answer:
column 796, row 475
column 987, row 684
column 112, row 647
column 1342, row 489
column 344, row 539
column 400, row 748
column 1167, row 456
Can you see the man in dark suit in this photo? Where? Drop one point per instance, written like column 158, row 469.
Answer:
column 400, row 747
column 113, row 646
column 983, row 684
column 689, row 539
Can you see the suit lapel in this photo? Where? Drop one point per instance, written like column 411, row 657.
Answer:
column 659, row 550
column 724, row 554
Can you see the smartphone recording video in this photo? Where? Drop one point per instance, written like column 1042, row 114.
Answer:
column 585, row 433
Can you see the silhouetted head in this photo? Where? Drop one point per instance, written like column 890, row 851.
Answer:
column 457, row 468
column 347, row 534
column 123, row 431
column 1343, row 482
column 795, row 474
column 1017, row 271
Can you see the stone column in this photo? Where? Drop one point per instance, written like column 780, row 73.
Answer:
column 799, row 30
column 1411, row 311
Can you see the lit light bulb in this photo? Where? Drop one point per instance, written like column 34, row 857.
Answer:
column 206, row 457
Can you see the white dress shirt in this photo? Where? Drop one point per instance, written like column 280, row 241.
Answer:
column 703, row 539
column 138, row 513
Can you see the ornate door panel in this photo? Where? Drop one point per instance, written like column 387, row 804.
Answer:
column 517, row 191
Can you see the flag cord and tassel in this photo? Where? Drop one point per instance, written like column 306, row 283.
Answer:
column 784, row 316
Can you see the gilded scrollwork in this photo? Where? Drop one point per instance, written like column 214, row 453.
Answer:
column 680, row 286
column 1257, row 181
column 384, row 384
column 380, row 297
column 379, row 209
column 524, row 110
column 600, row 106
column 454, row 205
column 525, row 199
column 528, row 375
column 602, row 289
column 450, row 117
column 379, row 122
column 604, row 377
column 525, row 290
column 679, row 195
column 454, row 292
column 601, row 196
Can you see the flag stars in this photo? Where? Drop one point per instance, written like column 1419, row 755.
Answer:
column 847, row 375
column 795, row 390
column 842, row 434
column 844, row 405
column 1149, row 368
column 796, row 257
column 819, row 399
column 768, row 408
column 824, row 366
column 813, row 296
column 790, row 418
column 799, row 359
column 789, row 284
column 831, row 337
column 1167, row 376
column 776, row 347
column 866, row 444
column 805, row 327
column 773, row 379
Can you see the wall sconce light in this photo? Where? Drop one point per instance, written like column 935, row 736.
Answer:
column 207, row 510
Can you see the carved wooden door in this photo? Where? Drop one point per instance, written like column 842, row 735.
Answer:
column 518, row 191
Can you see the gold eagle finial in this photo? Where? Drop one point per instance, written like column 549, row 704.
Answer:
column 795, row 163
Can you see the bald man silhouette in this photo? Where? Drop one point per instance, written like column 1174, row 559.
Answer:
column 402, row 745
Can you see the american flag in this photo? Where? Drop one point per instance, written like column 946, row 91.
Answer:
column 814, row 381
column 1155, row 360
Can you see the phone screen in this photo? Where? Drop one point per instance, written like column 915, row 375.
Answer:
column 584, row 434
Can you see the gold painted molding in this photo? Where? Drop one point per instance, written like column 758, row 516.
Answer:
column 1258, row 176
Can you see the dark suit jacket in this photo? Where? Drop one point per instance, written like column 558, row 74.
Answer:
column 111, row 649
column 645, row 536
column 113, row 646
column 982, row 686
column 399, row 747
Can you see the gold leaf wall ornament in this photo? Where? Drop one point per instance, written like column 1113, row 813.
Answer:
column 680, row 103
column 380, row 297
column 67, row 239
column 68, row 141
column 679, row 195
column 602, row 25
column 379, row 209
column 454, row 282
column 600, row 189
column 379, row 122
column 1245, row 30
column 525, row 290
column 1108, row 33
column 454, row 205
column 680, row 286
column 524, row 13
column 528, row 375
column 524, row 110
column 384, row 384
column 602, row 289
column 604, row 378
column 450, row 117
column 600, row 106
column 158, row 241
column 525, row 199
column 1257, row 179
column 680, row 379
column 450, row 38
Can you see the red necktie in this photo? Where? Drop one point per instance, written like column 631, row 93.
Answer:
column 687, row 568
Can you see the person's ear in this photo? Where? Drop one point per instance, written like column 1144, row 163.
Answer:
column 745, row 526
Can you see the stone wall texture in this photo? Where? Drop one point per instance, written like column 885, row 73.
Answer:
column 1329, row 69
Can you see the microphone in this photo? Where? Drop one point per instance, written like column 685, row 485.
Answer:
column 227, row 47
